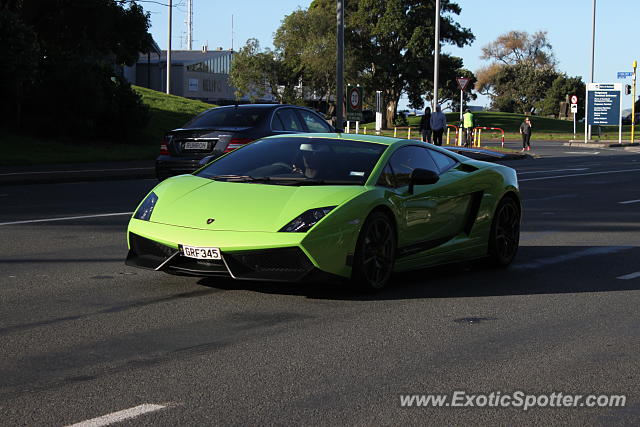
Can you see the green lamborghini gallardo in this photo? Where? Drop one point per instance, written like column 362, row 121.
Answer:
column 319, row 206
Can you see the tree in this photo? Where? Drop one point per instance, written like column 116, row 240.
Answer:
column 395, row 39
column 19, row 58
column 562, row 87
column 257, row 73
column 78, row 46
column 521, row 88
column 521, row 71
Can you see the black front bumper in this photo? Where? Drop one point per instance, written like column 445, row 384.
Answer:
column 280, row 264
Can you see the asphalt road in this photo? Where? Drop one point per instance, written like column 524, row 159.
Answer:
column 83, row 336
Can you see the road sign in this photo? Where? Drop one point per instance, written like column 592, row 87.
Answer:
column 463, row 82
column 624, row 74
column 354, row 103
column 603, row 103
column 574, row 99
column 574, row 108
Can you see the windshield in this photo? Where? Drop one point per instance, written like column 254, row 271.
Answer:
column 229, row 117
column 298, row 161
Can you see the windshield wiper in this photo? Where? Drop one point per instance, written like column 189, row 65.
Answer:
column 240, row 178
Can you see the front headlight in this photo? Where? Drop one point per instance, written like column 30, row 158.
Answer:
column 146, row 208
column 307, row 220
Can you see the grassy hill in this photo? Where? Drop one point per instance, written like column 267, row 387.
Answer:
column 167, row 112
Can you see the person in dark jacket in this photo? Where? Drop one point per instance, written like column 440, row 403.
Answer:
column 438, row 125
column 425, row 125
column 525, row 131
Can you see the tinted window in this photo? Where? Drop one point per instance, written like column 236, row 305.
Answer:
column 313, row 122
column 386, row 177
column 443, row 161
column 276, row 123
column 406, row 159
column 292, row 160
column 289, row 120
column 229, row 117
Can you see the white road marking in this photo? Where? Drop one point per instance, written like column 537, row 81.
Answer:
column 116, row 417
column 629, row 202
column 629, row 276
column 582, row 152
column 543, row 262
column 74, row 171
column 67, row 218
column 554, row 170
column 579, row 174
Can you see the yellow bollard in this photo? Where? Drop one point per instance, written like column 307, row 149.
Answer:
column 365, row 130
column 395, row 132
column 479, row 137
column 409, row 132
column 448, row 132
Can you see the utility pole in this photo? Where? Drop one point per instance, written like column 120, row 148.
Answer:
column 633, row 103
column 169, row 49
column 189, row 24
column 340, row 65
column 587, row 128
column 436, row 57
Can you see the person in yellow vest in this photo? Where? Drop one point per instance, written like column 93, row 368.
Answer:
column 467, row 124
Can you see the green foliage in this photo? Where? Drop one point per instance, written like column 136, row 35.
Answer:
column 19, row 58
column 562, row 87
column 521, row 88
column 68, row 52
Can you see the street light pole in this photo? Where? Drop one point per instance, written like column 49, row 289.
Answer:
column 340, row 65
column 436, row 56
column 633, row 103
column 169, row 50
column 587, row 128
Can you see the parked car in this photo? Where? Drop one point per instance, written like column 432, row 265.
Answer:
column 222, row 129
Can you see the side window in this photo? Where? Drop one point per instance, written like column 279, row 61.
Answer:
column 443, row 161
column 276, row 123
column 386, row 177
column 289, row 120
column 313, row 122
column 406, row 159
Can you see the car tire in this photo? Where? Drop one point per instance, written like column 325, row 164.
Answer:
column 504, row 236
column 375, row 253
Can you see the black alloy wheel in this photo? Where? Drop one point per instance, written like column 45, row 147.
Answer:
column 505, row 232
column 375, row 252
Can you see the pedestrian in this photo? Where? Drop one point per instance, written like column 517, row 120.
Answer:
column 468, row 125
column 438, row 124
column 425, row 125
column 525, row 131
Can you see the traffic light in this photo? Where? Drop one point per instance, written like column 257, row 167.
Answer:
column 627, row 89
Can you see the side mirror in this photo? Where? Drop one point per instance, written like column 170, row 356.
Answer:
column 422, row 177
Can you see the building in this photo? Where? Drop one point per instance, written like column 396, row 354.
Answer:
column 196, row 74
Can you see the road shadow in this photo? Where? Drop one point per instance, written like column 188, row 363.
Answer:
column 537, row 270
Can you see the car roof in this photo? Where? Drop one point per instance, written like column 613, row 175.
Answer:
column 345, row 137
column 265, row 106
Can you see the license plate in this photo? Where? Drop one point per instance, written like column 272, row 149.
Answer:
column 196, row 145
column 200, row 253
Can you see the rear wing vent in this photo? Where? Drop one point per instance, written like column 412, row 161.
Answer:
column 464, row 167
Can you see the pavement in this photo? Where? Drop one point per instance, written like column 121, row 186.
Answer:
column 84, row 336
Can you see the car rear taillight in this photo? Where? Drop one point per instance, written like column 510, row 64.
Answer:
column 236, row 143
column 164, row 150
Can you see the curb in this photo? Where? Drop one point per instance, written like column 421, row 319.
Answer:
column 54, row 174
column 600, row 144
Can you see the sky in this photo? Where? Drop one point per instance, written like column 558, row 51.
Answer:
column 568, row 23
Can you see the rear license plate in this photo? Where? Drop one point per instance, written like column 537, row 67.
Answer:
column 196, row 145
column 200, row 253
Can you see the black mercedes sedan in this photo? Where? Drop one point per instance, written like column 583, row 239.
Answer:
column 222, row 129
